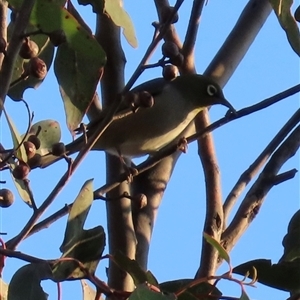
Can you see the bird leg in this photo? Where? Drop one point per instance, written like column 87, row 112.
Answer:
column 129, row 170
column 82, row 129
column 69, row 161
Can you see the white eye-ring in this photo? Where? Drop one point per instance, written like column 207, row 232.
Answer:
column 211, row 90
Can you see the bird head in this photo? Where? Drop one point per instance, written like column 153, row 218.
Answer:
column 201, row 90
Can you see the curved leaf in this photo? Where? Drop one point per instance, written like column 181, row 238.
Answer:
column 143, row 292
column 84, row 245
column 283, row 12
column 222, row 252
column 49, row 133
column 78, row 78
column 197, row 291
column 50, row 16
column 132, row 267
column 291, row 241
column 87, row 292
column 283, row 276
column 25, row 283
column 3, row 289
column 16, row 138
column 114, row 8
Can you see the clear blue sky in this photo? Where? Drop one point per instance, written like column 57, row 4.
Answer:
column 269, row 67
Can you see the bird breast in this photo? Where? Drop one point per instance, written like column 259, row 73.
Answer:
column 149, row 129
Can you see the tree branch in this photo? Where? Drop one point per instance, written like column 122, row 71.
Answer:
column 191, row 36
column 221, row 68
column 239, row 40
column 247, row 176
column 170, row 149
column 256, row 195
column 119, row 219
column 3, row 25
column 153, row 182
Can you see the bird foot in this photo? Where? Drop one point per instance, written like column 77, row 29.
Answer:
column 130, row 172
column 69, row 160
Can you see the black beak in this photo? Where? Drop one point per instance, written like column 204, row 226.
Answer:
column 226, row 103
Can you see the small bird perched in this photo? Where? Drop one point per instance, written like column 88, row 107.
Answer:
column 176, row 104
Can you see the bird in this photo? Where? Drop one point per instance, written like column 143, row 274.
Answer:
column 176, row 104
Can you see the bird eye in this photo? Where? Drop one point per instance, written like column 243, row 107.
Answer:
column 211, row 90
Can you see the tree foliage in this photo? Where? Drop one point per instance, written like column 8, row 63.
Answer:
column 44, row 34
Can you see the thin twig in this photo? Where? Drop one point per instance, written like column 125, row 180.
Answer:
column 23, row 256
column 247, row 175
column 151, row 48
column 239, row 40
column 221, row 69
column 191, row 36
column 253, row 200
column 51, row 219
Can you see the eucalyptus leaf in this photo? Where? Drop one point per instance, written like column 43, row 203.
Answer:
column 85, row 246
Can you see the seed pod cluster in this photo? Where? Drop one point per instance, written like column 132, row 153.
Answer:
column 169, row 72
column 57, row 37
column 32, row 144
column 21, row 171
column 29, row 49
column 58, row 149
column 7, row 198
column 140, row 99
column 30, row 149
column 171, row 51
column 37, row 68
column 34, row 161
column 35, row 140
column 165, row 14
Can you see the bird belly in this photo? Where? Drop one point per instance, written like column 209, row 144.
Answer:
column 157, row 136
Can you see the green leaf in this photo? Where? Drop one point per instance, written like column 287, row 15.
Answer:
column 282, row 10
column 291, row 241
column 197, row 291
column 3, row 289
column 87, row 292
column 78, row 78
column 143, row 292
column 98, row 5
column 84, row 245
column 244, row 296
column 21, row 155
column 46, row 51
column 25, row 283
column 114, row 8
column 50, row 16
column 297, row 14
column 222, row 252
column 283, row 276
column 16, row 138
column 132, row 267
column 49, row 133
